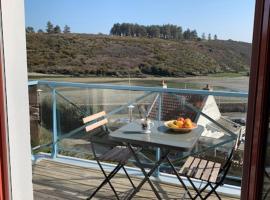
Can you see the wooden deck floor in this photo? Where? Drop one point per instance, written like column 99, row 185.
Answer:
column 58, row 181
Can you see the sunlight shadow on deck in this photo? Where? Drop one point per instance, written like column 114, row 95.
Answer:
column 59, row 181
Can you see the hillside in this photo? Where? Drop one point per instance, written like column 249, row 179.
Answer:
column 86, row 55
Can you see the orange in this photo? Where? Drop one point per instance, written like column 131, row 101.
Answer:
column 188, row 120
column 180, row 124
column 180, row 119
column 188, row 124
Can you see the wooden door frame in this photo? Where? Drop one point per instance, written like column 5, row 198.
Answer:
column 4, row 152
column 4, row 161
column 258, row 105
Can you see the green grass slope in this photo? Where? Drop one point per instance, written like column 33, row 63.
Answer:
column 99, row 55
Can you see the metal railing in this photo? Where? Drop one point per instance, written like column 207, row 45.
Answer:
column 59, row 90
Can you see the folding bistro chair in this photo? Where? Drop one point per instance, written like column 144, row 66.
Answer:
column 213, row 173
column 116, row 153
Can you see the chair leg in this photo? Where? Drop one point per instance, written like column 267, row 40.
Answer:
column 179, row 178
column 106, row 180
column 213, row 190
column 128, row 177
column 103, row 171
column 201, row 190
column 195, row 188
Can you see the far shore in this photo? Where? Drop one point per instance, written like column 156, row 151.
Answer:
column 227, row 82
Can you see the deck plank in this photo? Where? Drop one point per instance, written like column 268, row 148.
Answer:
column 58, row 181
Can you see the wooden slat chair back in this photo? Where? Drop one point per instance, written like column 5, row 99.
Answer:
column 98, row 119
column 208, row 171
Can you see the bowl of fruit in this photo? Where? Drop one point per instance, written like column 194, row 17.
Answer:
column 181, row 125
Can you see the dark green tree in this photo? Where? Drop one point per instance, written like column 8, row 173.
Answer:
column 203, row 36
column 162, row 32
column 193, row 35
column 173, row 31
column 66, row 29
column 209, row 37
column 132, row 30
column 29, row 29
column 57, row 29
column 40, row 31
column 136, row 30
column 124, row 29
column 153, row 31
column 187, row 34
column 49, row 28
column 142, row 31
column 116, row 29
column 215, row 37
column 179, row 34
column 167, row 31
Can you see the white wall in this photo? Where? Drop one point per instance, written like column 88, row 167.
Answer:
column 17, row 98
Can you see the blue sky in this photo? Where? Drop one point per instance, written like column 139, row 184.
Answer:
column 229, row 19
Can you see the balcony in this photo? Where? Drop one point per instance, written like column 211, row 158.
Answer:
column 62, row 165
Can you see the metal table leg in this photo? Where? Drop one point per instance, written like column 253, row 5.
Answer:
column 147, row 175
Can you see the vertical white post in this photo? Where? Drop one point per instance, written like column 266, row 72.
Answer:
column 17, row 101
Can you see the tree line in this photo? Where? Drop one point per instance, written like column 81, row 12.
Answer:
column 50, row 28
column 166, row 31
